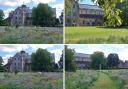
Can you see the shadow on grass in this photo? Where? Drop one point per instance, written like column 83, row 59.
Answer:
column 112, row 27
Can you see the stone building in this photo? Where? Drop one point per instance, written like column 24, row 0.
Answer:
column 90, row 15
column 84, row 15
column 72, row 18
column 22, row 16
column 21, row 61
column 123, row 65
column 82, row 60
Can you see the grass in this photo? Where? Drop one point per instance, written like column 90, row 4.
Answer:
column 31, row 35
column 93, row 35
column 80, row 79
column 94, row 79
column 31, row 81
column 104, row 82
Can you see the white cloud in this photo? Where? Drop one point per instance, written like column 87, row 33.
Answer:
column 36, row 46
column 5, row 58
column 58, row 53
column 43, row 1
column 13, row 48
column 59, row 8
column 6, row 12
column 20, row 2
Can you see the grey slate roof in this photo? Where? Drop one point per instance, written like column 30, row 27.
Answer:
column 87, row 6
column 81, row 55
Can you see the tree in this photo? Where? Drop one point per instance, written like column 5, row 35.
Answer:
column 124, row 14
column 42, row 15
column 1, row 64
column 41, row 61
column 98, row 60
column 1, row 18
column 69, row 59
column 112, row 60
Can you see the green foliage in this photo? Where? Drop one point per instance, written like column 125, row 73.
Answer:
column 2, row 22
column 111, row 13
column 1, row 64
column 69, row 59
column 112, row 60
column 124, row 14
column 42, row 15
column 41, row 61
column 98, row 60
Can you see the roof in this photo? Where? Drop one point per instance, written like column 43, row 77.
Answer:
column 87, row 6
column 81, row 55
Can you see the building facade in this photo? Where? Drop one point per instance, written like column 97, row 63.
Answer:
column 22, row 16
column 84, row 15
column 82, row 60
column 90, row 15
column 21, row 62
column 123, row 65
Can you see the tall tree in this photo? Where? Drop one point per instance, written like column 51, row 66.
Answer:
column 124, row 14
column 1, row 64
column 113, row 60
column 42, row 15
column 41, row 61
column 98, row 60
column 1, row 18
column 69, row 59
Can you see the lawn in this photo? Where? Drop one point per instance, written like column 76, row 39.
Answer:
column 94, row 79
column 31, row 81
column 93, row 35
column 31, row 35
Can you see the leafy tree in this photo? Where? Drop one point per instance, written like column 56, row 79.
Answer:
column 42, row 15
column 41, row 61
column 69, row 59
column 124, row 14
column 98, row 60
column 1, row 64
column 112, row 60
column 1, row 18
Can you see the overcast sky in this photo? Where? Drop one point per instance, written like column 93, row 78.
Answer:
column 9, row 5
column 120, row 49
column 7, row 51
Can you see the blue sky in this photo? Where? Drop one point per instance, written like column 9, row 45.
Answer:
column 9, row 5
column 7, row 51
column 87, row 2
column 121, row 50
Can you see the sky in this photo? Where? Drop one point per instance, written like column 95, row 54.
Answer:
column 7, row 51
column 121, row 49
column 10, row 5
column 86, row 2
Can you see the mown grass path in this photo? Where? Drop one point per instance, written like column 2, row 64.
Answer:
column 104, row 82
